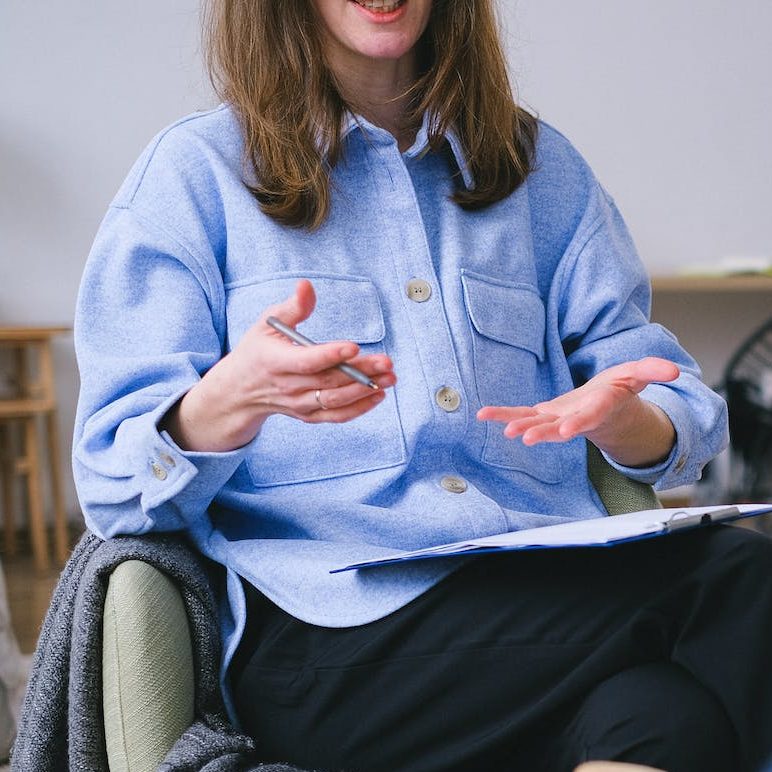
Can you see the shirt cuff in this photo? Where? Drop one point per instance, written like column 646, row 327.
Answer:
column 179, row 485
column 678, row 468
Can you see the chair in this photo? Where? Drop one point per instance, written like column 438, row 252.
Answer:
column 147, row 667
column 147, row 658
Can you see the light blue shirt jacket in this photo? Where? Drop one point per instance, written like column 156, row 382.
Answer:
column 526, row 298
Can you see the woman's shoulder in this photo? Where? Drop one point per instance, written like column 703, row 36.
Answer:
column 185, row 155
column 563, row 194
column 216, row 129
column 557, row 159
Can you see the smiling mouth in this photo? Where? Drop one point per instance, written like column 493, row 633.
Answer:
column 380, row 6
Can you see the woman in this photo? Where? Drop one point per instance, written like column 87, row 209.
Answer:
column 370, row 180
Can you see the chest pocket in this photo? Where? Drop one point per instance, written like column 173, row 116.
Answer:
column 289, row 451
column 508, row 322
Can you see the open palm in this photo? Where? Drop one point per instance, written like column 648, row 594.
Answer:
column 594, row 410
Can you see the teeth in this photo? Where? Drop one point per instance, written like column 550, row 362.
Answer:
column 380, row 6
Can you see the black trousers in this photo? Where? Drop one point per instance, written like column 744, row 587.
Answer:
column 655, row 652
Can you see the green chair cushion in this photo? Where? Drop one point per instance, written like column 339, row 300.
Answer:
column 147, row 660
column 618, row 493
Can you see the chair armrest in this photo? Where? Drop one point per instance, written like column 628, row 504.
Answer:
column 618, row 493
column 147, row 667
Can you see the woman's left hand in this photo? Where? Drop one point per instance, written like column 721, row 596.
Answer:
column 606, row 410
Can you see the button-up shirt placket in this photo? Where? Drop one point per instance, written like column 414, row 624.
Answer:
column 423, row 308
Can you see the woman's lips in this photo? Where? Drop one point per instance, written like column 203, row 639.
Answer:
column 380, row 6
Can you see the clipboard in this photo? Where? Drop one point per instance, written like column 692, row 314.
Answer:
column 604, row 531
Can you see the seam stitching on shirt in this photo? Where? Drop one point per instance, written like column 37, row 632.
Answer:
column 571, row 255
column 154, row 145
column 201, row 274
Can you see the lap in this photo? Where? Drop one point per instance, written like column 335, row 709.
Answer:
column 496, row 649
column 673, row 722
column 567, row 597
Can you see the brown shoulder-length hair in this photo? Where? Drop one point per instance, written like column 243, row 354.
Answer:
column 265, row 58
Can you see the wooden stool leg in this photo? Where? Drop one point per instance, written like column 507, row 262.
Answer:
column 7, row 480
column 61, row 546
column 37, row 525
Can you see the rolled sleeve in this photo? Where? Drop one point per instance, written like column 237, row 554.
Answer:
column 605, row 302
column 148, row 326
column 175, row 483
column 158, row 486
column 701, row 433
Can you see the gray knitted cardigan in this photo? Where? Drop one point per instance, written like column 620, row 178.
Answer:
column 62, row 714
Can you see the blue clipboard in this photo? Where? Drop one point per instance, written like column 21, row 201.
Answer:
column 594, row 532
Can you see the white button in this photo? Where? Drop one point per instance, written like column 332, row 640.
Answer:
column 168, row 460
column 158, row 471
column 448, row 399
column 453, row 484
column 419, row 290
column 680, row 464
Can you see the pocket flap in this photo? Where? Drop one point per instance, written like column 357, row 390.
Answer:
column 347, row 307
column 508, row 313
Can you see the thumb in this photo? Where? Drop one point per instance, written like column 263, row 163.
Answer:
column 656, row 370
column 297, row 307
column 636, row 376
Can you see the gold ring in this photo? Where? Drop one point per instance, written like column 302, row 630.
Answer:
column 318, row 398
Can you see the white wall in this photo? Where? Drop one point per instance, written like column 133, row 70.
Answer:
column 671, row 103
column 669, row 100
column 85, row 85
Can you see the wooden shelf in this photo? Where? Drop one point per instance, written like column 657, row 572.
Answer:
column 681, row 284
column 22, row 335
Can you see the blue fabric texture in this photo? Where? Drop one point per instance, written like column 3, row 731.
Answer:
column 530, row 296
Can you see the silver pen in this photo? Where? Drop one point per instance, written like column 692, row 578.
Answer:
column 297, row 337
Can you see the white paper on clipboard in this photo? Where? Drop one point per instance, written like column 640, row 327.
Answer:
column 595, row 532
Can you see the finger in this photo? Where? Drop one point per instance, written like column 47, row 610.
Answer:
column 296, row 308
column 503, row 413
column 289, row 358
column 562, row 402
column 291, row 383
column 559, row 430
column 520, row 427
column 306, row 406
column 597, row 409
column 377, row 367
column 352, row 392
column 372, row 364
column 637, row 375
column 576, row 424
column 548, row 432
column 656, row 370
column 344, row 413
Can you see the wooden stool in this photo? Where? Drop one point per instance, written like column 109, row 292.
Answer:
column 30, row 405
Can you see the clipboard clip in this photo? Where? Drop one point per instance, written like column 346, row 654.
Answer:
column 679, row 520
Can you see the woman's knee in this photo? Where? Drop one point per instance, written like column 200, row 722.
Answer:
column 655, row 714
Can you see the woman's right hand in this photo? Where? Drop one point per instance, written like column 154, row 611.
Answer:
column 266, row 374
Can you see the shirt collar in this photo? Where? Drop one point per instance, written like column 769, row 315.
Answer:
column 352, row 122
